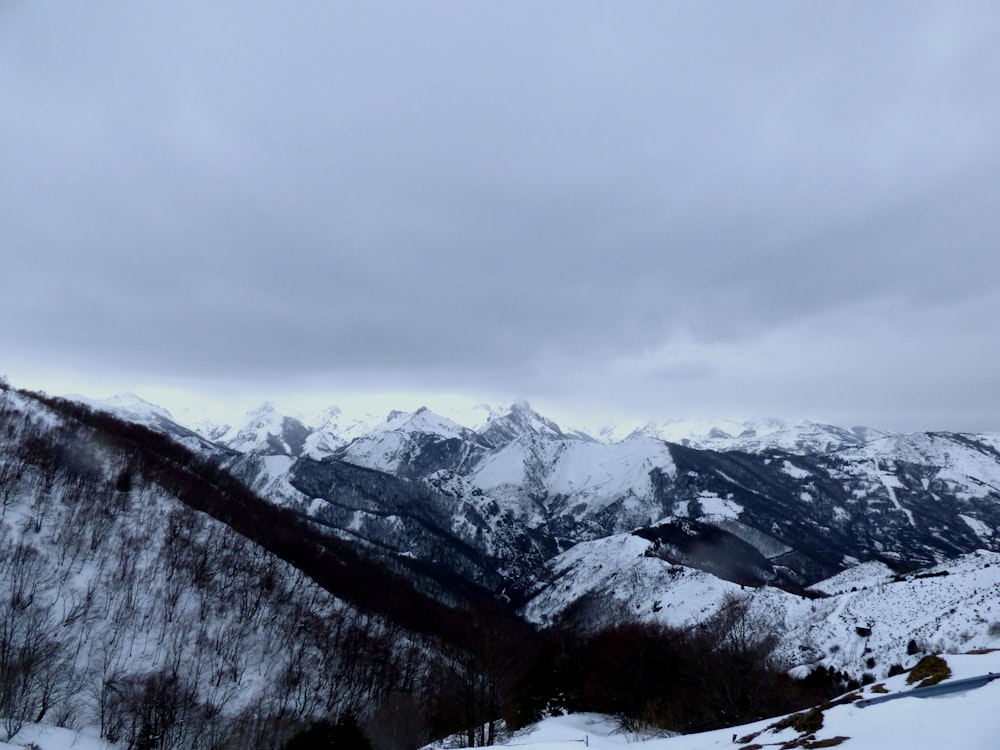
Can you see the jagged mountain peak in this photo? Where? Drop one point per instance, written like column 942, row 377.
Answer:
column 423, row 420
column 331, row 414
column 408, row 443
column 266, row 430
column 266, row 414
column 268, row 409
column 508, row 424
column 521, row 406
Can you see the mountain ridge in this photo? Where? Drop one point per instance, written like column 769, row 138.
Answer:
column 520, row 488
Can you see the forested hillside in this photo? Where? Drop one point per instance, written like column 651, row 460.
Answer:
column 152, row 596
column 147, row 593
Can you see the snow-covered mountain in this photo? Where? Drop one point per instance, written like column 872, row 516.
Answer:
column 413, row 445
column 502, row 504
column 755, row 436
column 860, row 558
column 506, row 425
column 268, row 432
column 262, row 428
column 863, row 620
column 499, row 426
column 201, row 436
column 808, row 499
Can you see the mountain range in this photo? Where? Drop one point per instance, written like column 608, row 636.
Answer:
column 863, row 549
column 517, row 506
column 807, row 499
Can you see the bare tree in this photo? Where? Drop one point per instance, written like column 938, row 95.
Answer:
column 34, row 672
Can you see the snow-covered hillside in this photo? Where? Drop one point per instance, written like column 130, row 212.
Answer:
column 964, row 720
column 398, row 445
column 865, row 625
column 117, row 597
column 546, row 478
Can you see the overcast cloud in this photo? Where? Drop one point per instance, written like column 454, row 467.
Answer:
column 644, row 209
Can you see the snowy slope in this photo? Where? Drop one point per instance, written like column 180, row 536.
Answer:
column 48, row 737
column 966, row 720
column 968, row 465
column 128, row 406
column 538, row 478
column 949, row 608
column 610, row 580
column 132, row 408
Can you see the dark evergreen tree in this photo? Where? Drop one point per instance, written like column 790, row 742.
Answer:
column 345, row 734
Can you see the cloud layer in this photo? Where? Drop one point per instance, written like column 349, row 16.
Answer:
column 656, row 209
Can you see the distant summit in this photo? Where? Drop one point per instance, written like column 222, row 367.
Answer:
column 506, row 425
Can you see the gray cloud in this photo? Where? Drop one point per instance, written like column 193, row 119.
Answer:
column 517, row 199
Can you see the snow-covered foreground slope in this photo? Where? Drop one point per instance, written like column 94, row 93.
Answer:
column 48, row 737
column 965, row 720
column 864, row 627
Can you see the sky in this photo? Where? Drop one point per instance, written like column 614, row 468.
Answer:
column 647, row 210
